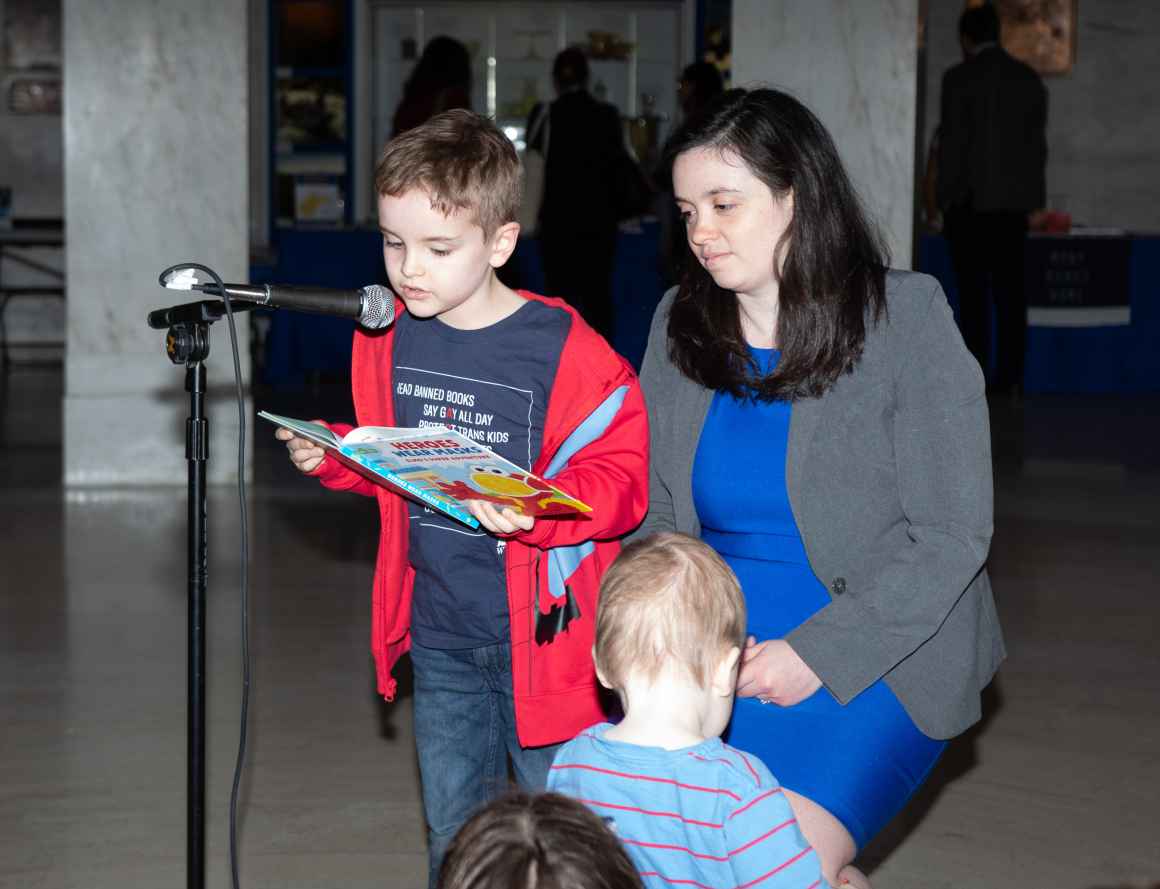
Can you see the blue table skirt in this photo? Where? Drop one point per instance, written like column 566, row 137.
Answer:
column 1059, row 359
column 1085, row 359
column 297, row 345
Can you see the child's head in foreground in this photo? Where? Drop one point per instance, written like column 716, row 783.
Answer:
column 540, row 841
column 671, row 609
column 448, row 196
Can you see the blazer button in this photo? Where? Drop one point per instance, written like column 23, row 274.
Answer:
column 838, row 586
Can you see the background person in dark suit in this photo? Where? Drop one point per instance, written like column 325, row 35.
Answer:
column 991, row 159
column 585, row 160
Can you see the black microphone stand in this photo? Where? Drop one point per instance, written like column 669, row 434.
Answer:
column 187, row 342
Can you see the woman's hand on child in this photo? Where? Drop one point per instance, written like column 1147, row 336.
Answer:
column 304, row 454
column 505, row 521
column 772, row 672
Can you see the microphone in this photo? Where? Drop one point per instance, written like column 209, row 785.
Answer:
column 373, row 307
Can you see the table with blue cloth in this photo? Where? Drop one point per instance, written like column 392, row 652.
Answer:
column 299, row 346
column 1086, row 356
column 1108, row 341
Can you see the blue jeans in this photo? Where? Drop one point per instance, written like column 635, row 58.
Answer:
column 465, row 730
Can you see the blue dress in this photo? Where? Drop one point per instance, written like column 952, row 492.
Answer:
column 861, row 761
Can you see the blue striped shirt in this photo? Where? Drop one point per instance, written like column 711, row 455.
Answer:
column 705, row 816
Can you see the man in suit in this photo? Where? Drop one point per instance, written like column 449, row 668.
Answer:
column 579, row 213
column 991, row 160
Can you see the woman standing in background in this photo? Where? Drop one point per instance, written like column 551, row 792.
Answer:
column 440, row 81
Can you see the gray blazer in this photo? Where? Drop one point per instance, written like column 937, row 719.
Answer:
column 889, row 479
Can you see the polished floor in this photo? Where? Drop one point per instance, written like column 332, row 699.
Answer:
column 1060, row 786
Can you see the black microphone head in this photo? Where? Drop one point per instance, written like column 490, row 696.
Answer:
column 378, row 307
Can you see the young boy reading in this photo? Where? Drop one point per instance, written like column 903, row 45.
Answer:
column 499, row 622
column 690, row 810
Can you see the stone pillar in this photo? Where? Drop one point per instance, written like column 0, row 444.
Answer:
column 156, row 172
column 855, row 65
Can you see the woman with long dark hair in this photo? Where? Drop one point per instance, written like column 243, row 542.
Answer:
column 817, row 420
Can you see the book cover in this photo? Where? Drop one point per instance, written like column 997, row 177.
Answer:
column 438, row 467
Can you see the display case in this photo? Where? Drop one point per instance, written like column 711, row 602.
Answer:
column 311, row 94
column 635, row 52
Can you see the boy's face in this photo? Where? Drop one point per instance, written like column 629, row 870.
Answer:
column 441, row 265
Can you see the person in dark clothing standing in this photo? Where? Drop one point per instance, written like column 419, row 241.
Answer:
column 991, row 159
column 440, row 81
column 579, row 214
column 700, row 84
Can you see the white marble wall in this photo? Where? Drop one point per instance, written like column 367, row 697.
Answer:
column 1103, row 132
column 854, row 65
column 156, row 167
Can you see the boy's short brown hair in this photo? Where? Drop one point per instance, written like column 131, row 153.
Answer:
column 668, row 597
column 462, row 160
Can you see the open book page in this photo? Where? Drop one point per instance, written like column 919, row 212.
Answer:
column 443, row 469
column 324, row 436
column 315, row 432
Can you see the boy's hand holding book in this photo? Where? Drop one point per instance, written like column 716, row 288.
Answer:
column 497, row 521
column 436, row 466
column 304, row 454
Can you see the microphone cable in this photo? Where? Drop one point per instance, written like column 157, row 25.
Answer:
column 246, row 671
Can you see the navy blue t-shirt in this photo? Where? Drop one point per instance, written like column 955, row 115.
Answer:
column 492, row 385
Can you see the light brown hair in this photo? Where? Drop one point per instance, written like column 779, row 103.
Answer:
column 462, row 160
column 668, row 597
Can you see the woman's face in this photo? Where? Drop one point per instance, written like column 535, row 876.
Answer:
column 732, row 219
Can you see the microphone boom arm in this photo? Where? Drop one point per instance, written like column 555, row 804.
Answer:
column 306, row 299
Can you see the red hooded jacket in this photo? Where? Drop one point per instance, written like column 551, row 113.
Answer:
column 595, row 444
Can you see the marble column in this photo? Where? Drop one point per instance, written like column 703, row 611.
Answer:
column 855, row 65
column 156, row 172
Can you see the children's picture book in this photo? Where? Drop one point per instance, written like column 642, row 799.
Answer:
column 438, row 467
